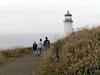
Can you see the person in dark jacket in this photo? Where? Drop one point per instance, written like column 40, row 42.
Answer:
column 34, row 47
column 46, row 43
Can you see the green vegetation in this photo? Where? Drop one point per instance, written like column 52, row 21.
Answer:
column 77, row 54
column 9, row 55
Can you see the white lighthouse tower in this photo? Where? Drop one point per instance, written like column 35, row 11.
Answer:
column 68, row 23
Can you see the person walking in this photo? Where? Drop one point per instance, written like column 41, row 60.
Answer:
column 46, row 43
column 40, row 46
column 34, row 47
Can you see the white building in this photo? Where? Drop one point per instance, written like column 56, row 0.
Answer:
column 68, row 23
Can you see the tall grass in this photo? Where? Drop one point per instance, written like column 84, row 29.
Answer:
column 13, row 53
column 77, row 54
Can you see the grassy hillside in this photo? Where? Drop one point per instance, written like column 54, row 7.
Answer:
column 77, row 54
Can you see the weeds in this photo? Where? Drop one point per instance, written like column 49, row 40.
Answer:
column 13, row 53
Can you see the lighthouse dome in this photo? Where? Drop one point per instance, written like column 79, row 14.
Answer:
column 68, row 14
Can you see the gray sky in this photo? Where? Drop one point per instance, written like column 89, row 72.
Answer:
column 43, row 16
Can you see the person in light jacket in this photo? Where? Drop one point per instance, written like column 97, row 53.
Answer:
column 40, row 46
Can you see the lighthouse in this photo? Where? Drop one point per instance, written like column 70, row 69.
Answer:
column 68, row 23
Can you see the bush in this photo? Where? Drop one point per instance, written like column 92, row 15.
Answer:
column 77, row 54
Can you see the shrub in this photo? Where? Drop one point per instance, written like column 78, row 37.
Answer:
column 77, row 54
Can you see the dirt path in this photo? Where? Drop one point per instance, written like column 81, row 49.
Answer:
column 21, row 66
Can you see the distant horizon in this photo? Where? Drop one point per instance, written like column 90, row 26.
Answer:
column 8, row 41
column 24, row 40
column 75, row 29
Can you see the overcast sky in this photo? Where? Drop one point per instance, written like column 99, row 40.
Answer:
column 43, row 16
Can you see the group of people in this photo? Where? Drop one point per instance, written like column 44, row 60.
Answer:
column 41, row 45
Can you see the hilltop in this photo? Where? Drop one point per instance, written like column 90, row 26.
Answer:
column 76, row 54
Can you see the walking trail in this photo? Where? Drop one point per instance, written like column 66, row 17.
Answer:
column 20, row 66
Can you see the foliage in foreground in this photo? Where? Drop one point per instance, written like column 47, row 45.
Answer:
column 77, row 54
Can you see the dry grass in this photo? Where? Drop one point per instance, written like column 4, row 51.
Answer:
column 77, row 54
column 2, row 58
column 13, row 53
